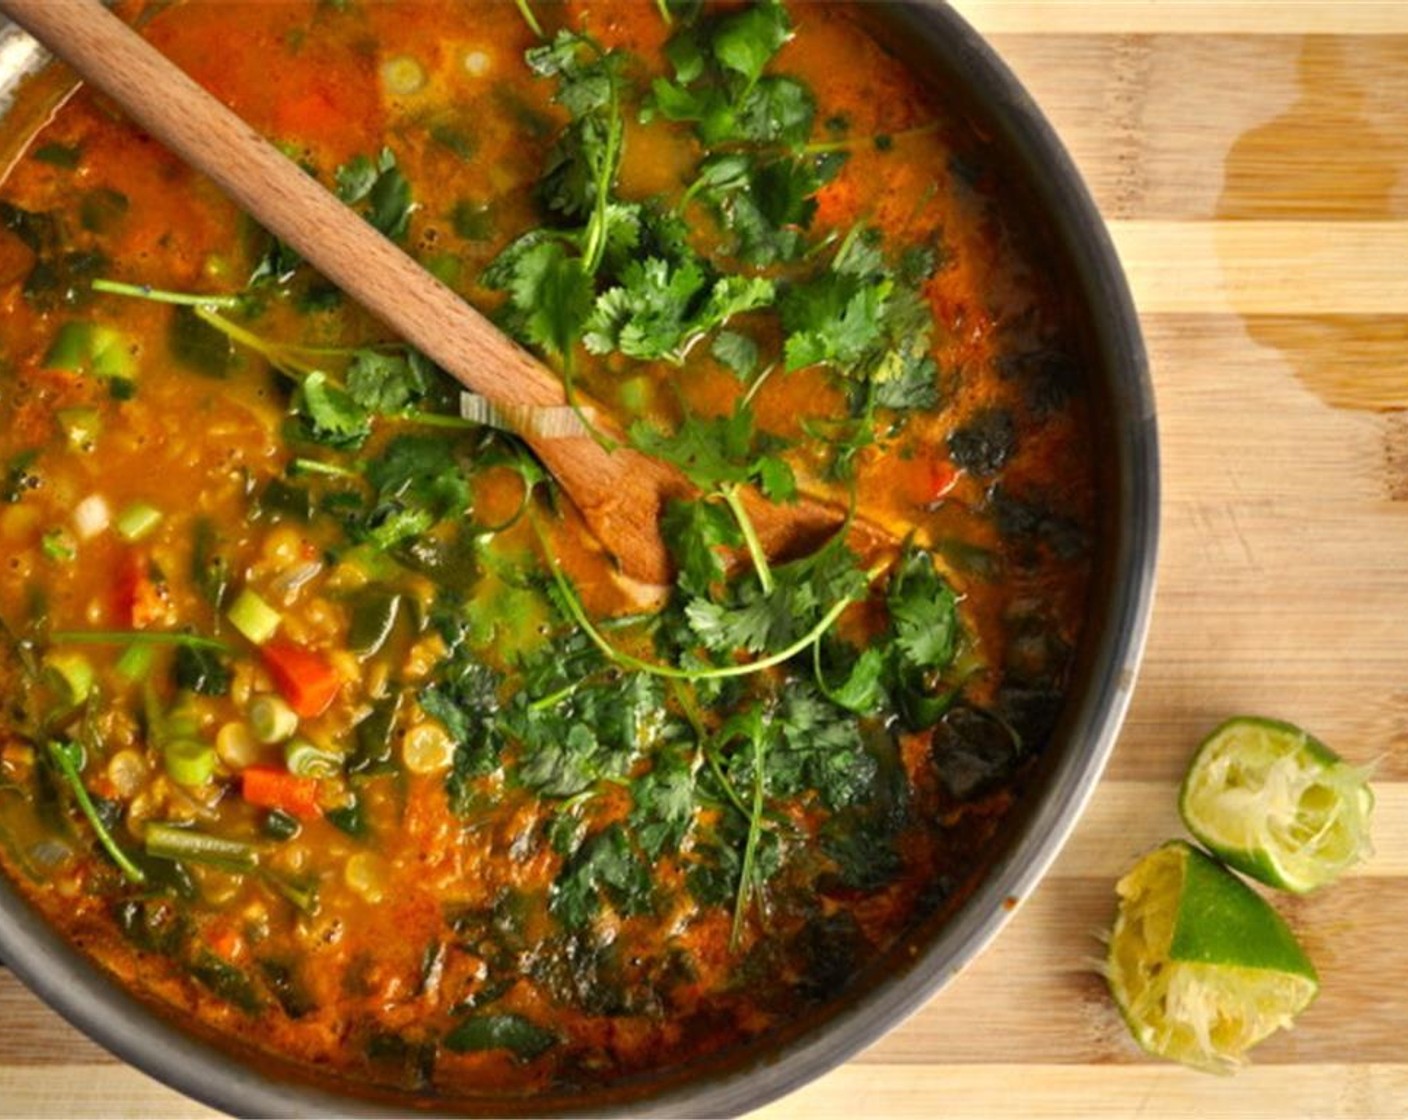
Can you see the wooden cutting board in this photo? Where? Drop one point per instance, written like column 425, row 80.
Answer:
column 1252, row 160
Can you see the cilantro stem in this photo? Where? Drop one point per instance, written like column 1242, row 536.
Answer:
column 136, row 638
column 317, row 466
column 579, row 616
column 750, row 537
column 664, row 6
column 685, row 699
column 758, row 383
column 529, row 18
column 159, row 295
column 822, row 148
column 283, row 357
column 66, row 757
column 750, row 847
column 594, row 248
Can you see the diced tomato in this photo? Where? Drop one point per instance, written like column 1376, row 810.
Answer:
column 272, row 788
column 304, row 677
column 138, row 599
column 929, row 479
column 226, row 942
column 943, row 477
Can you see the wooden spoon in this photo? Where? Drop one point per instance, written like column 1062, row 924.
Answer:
column 620, row 493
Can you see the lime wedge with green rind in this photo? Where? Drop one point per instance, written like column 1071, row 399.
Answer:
column 1277, row 804
column 1200, row 964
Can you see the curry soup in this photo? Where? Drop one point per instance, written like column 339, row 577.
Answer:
column 327, row 725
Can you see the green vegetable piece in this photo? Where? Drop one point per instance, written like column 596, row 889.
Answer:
column 102, row 209
column 58, row 155
column 70, row 348
column 372, row 739
column 110, row 354
column 59, row 545
column 373, row 618
column 201, row 670
column 521, row 1037
column 138, row 521
column 170, row 841
column 308, row 760
column 349, row 819
column 227, row 982
column 281, row 825
column 271, row 720
column 199, row 346
column 253, row 617
column 189, row 762
column 474, row 221
column 81, row 426
column 70, row 674
column 135, row 662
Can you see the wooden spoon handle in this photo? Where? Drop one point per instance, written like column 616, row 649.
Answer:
column 288, row 202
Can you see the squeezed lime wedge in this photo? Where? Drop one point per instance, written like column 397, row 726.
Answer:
column 1277, row 804
column 1201, row 966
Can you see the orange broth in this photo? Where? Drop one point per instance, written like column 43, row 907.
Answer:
column 430, row 918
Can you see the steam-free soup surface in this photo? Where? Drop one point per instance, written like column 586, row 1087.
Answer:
column 330, row 729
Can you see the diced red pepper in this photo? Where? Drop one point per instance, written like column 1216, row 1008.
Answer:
column 304, row 677
column 942, row 478
column 272, row 788
column 929, row 479
column 139, row 600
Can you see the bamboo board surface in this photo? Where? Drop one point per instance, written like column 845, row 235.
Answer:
column 1252, row 161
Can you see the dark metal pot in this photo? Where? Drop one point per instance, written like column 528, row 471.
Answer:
column 936, row 42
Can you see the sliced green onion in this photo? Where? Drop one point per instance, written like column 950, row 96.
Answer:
column 137, row 521
column 253, row 617
column 308, row 760
column 80, row 425
column 169, row 841
column 71, row 674
column 68, row 757
column 110, row 354
column 58, row 544
column 189, row 761
column 403, row 75
column 271, row 719
column 135, row 662
column 70, row 348
column 538, row 421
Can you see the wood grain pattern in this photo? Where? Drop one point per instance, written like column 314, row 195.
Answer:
column 1252, row 158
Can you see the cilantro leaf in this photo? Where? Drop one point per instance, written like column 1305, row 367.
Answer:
column 605, row 869
column 550, row 293
column 870, row 324
column 736, row 351
column 382, row 382
column 745, row 42
column 381, row 189
column 330, row 415
column 660, row 308
column 719, row 451
column 697, row 533
column 766, row 202
column 418, row 482
column 663, row 804
column 923, row 612
column 819, row 748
